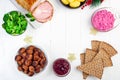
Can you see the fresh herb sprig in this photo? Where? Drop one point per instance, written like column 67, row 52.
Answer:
column 30, row 16
column 95, row 3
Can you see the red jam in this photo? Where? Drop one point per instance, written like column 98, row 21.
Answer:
column 61, row 67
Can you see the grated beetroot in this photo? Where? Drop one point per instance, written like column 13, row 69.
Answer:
column 103, row 20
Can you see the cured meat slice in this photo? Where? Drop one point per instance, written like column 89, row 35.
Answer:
column 43, row 12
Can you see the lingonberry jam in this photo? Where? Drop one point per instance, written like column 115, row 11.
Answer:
column 61, row 67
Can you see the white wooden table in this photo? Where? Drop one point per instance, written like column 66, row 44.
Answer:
column 67, row 32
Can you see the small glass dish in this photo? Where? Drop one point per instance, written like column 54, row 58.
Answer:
column 105, row 19
column 61, row 67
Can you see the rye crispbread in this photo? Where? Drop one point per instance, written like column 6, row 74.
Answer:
column 93, row 68
column 89, row 55
column 108, row 48
column 94, row 60
column 95, row 45
column 102, row 54
column 82, row 58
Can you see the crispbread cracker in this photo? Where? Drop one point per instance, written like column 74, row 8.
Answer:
column 89, row 55
column 94, row 60
column 95, row 45
column 102, row 54
column 108, row 48
column 94, row 68
column 82, row 58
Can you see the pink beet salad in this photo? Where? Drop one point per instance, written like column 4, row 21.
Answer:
column 103, row 20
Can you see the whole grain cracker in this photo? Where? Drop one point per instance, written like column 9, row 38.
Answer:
column 89, row 55
column 95, row 45
column 102, row 54
column 82, row 58
column 108, row 48
column 94, row 68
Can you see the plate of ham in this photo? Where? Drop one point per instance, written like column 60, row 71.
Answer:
column 41, row 10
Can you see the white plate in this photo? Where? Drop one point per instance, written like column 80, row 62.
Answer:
column 35, row 24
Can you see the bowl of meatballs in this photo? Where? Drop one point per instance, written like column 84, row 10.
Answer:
column 31, row 60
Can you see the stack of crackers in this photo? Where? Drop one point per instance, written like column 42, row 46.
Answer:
column 94, row 60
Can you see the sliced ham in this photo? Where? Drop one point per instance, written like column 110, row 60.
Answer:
column 43, row 12
column 36, row 4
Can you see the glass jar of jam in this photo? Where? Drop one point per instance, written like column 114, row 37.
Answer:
column 61, row 67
